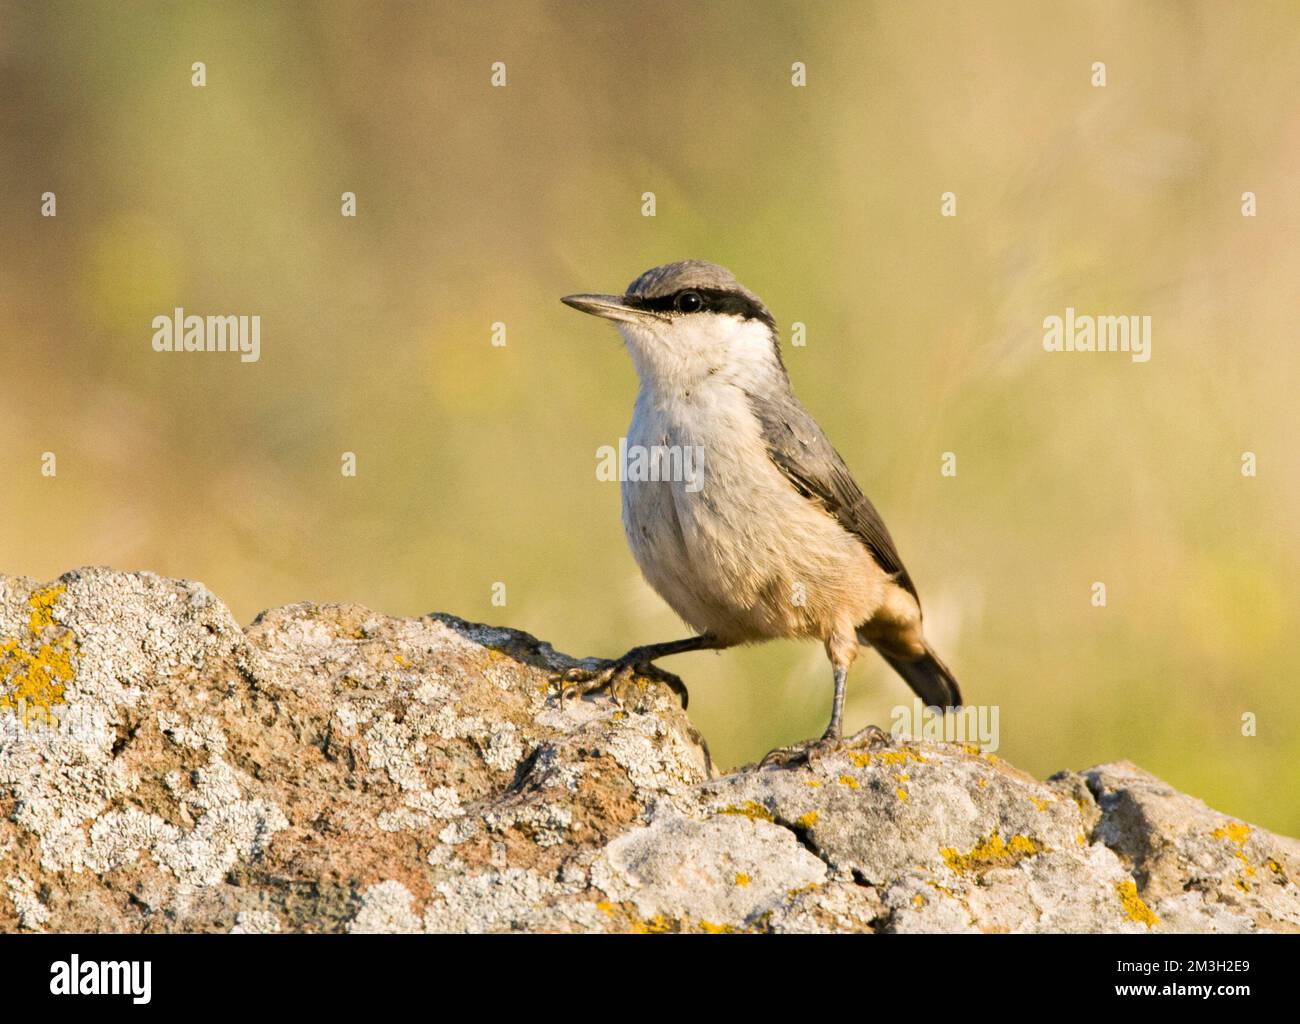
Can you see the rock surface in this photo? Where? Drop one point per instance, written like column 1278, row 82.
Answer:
column 332, row 769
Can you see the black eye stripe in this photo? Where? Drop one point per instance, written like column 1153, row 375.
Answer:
column 716, row 300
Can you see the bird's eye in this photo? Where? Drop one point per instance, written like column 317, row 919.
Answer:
column 689, row 302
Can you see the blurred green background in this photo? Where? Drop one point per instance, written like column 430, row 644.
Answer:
column 476, row 464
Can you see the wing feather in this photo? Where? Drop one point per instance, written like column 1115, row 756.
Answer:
column 801, row 451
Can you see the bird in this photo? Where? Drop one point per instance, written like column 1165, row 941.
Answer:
column 775, row 539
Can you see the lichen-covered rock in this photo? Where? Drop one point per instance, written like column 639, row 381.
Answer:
column 332, row 769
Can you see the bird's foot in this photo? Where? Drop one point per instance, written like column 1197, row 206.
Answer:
column 624, row 680
column 810, row 751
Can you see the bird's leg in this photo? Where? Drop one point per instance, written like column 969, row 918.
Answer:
column 834, row 730
column 842, row 648
column 596, row 674
column 807, row 751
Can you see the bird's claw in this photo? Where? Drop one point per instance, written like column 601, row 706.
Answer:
column 619, row 678
column 583, row 679
column 810, row 751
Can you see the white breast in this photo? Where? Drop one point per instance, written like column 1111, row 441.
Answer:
column 744, row 556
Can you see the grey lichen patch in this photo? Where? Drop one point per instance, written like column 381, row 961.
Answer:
column 514, row 899
column 386, row 908
column 202, row 732
column 396, row 750
column 227, row 828
column 256, row 922
column 546, row 824
column 655, row 755
column 32, row 913
column 118, row 837
column 504, row 749
column 422, row 808
column 54, row 805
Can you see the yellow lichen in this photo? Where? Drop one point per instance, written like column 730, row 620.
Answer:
column 807, row 821
column 42, row 603
column 992, row 852
column 1134, row 907
column 813, row 783
column 849, row 780
column 918, row 901
column 889, row 757
column 901, row 794
column 897, row 757
column 1235, row 831
column 661, row 924
column 36, row 670
column 749, row 809
column 743, row 879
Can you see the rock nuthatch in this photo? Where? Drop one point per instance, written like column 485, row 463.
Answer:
column 777, row 540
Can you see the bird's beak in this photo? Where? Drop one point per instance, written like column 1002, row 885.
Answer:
column 611, row 307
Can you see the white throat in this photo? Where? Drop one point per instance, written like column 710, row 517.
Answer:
column 678, row 355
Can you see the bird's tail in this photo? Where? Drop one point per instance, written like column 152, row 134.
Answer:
column 929, row 677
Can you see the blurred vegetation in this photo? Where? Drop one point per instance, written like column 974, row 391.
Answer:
column 476, row 205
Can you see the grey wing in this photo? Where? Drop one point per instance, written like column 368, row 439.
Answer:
column 801, row 451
